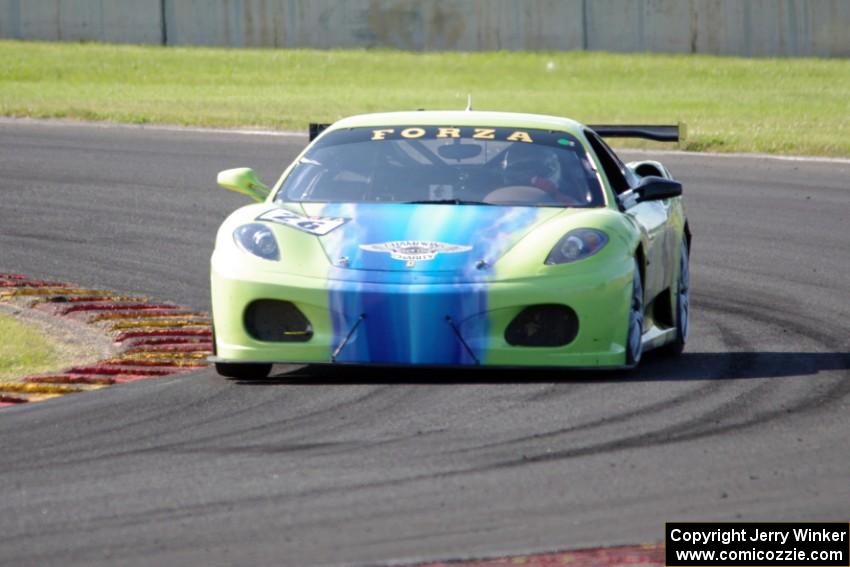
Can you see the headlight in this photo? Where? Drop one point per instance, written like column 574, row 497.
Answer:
column 577, row 244
column 257, row 239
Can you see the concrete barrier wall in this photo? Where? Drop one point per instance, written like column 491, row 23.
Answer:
column 407, row 24
column 739, row 27
column 118, row 21
column 728, row 27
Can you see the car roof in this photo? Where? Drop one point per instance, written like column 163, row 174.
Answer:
column 460, row 118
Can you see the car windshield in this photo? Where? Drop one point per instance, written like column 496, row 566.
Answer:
column 445, row 165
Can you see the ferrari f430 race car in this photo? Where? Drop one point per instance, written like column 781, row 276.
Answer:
column 454, row 238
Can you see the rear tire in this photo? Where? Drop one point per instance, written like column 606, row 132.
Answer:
column 243, row 371
column 634, row 338
column 683, row 306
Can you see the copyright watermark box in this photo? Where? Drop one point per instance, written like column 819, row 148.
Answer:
column 744, row 544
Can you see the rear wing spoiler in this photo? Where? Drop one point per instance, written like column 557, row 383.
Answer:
column 657, row 132
column 317, row 128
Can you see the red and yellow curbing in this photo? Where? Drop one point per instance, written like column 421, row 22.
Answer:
column 647, row 555
column 154, row 339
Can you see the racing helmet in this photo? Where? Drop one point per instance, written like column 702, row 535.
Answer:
column 531, row 165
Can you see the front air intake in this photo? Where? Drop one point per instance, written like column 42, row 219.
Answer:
column 277, row 321
column 549, row 325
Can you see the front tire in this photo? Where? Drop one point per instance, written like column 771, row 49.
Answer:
column 634, row 339
column 243, row 371
column 683, row 305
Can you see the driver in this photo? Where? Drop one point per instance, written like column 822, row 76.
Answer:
column 534, row 166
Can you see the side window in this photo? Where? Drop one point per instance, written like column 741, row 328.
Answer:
column 614, row 169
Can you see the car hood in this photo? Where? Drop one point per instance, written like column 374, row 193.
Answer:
column 458, row 239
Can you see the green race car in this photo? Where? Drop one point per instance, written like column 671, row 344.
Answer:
column 453, row 238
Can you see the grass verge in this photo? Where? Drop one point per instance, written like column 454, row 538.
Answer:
column 785, row 106
column 24, row 350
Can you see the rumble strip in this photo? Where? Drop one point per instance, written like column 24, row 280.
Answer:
column 153, row 339
column 650, row 555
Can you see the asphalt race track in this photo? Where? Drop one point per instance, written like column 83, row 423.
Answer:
column 326, row 467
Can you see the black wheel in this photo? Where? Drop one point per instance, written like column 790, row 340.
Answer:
column 683, row 306
column 243, row 371
column 634, row 340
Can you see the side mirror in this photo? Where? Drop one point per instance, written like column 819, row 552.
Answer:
column 653, row 188
column 244, row 180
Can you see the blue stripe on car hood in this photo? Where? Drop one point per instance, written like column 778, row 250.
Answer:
column 424, row 238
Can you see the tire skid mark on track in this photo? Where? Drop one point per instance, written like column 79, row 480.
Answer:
column 670, row 435
column 831, row 338
column 157, row 446
column 697, row 394
column 316, row 417
column 799, row 321
column 746, row 408
column 166, row 338
column 734, row 404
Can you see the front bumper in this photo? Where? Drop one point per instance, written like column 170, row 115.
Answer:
column 362, row 322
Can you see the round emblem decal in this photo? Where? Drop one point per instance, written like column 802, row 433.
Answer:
column 412, row 251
